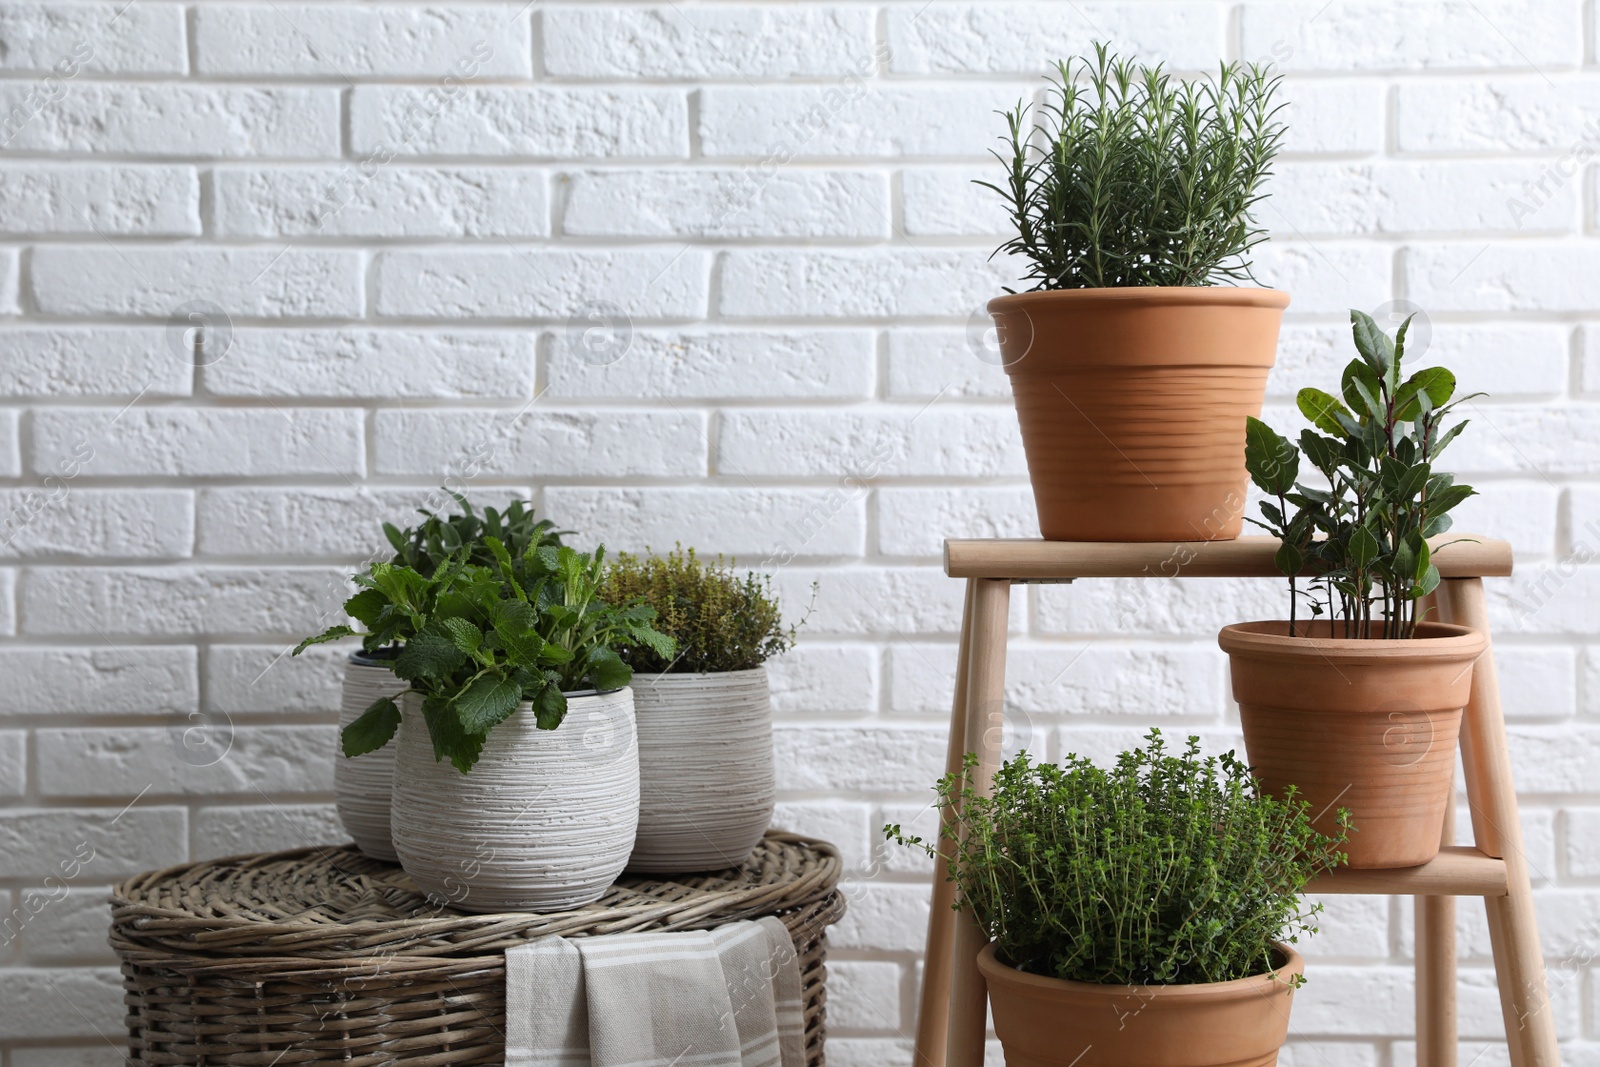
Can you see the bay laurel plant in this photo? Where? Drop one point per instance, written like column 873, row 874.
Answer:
column 1362, row 529
column 425, row 546
column 720, row 620
column 1128, row 178
column 481, row 640
column 1164, row 869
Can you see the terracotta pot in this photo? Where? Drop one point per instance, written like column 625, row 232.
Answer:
column 1048, row 1022
column 362, row 785
column 544, row 822
column 702, row 806
column 1133, row 403
column 1365, row 725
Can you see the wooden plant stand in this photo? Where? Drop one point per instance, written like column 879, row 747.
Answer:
column 951, row 1020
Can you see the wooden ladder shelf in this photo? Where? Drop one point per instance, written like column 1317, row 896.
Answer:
column 951, row 1020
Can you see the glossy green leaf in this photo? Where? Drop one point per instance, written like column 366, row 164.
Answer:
column 372, row 729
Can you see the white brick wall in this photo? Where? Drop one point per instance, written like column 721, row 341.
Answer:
column 703, row 272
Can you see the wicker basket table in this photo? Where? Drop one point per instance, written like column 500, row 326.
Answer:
column 323, row 955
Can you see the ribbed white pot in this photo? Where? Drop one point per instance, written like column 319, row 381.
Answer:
column 705, row 769
column 362, row 785
column 544, row 822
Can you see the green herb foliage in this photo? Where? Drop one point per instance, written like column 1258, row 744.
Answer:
column 720, row 620
column 439, row 537
column 480, row 640
column 1162, row 870
column 1127, row 179
column 1363, row 532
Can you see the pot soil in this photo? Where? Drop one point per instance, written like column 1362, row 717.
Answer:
column 1132, row 404
column 705, row 769
column 1369, row 725
column 544, row 822
column 362, row 785
column 1049, row 1022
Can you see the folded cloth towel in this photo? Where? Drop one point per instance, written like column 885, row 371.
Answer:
column 728, row 997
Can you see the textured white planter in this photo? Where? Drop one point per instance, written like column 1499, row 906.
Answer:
column 705, row 769
column 544, row 822
column 362, row 785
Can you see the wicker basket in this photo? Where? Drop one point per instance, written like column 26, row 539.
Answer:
column 326, row 955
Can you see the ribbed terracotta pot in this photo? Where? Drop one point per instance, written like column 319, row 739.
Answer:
column 1048, row 1022
column 1369, row 725
column 362, row 785
column 1133, row 402
column 705, row 769
column 544, row 822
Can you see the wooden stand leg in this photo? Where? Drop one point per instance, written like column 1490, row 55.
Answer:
column 1436, row 968
column 986, row 681
column 1513, row 929
column 933, row 1010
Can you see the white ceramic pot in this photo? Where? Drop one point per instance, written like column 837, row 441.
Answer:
column 362, row 785
column 544, row 822
column 705, row 769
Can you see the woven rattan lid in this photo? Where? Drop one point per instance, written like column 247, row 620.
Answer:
column 335, row 903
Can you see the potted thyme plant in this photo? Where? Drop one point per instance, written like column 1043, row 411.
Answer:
column 362, row 787
column 1135, row 356
column 1361, row 703
column 1167, row 888
column 497, row 658
column 702, row 805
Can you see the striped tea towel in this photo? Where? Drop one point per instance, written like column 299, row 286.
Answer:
column 728, row 997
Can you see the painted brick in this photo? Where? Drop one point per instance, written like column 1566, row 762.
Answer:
column 1499, row 115
column 335, row 521
column 266, row 827
column 352, row 362
column 13, row 763
column 948, row 363
column 107, row 843
column 64, row 39
column 916, row 522
column 871, row 1052
column 1515, row 276
column 1474, row 352
column 743, row 523
column 730, row 364
column 946, row 202
column 363, row 201
column 1364, row 197
column 1196, row 607
column 884, row 917
column 135, row 679
column 8, row 612
column 541, row 444
column 1583, row 842
column 1327, row 117
column 171, row 601
column 1022, row 38
column 879, row 600
column 1325, row 276
column 1305, row 35
column 61, row 361
column 965, row 442
column 707, row 42
column 815, row 679
column 542, row 283
column 777, row 123
column 148, row 282
column 67, row 925
column 10, row 282
column 822, row 756
column 1554, row 759
column 1349, row 927
column 175, row 760
column 365, row 41
column 60, row 1002
column 173, row 120
column 100, row 200
column 100, row 1054
column 198, row 442
column 540, row 122
column 10, row 450
column 63, row 521
column 864, row 995
column 266, row 678
column 841, row 824
column 727, row 203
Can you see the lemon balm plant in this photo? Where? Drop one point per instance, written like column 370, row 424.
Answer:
column 1167, row 885
column 701, row 805
column 1363, row 701
column 1134, row 357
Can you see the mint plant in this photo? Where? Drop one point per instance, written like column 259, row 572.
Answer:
column 1127, row 179
column 482, row 640
column 1363, row 530
column 425, row 546
column 1164, row 869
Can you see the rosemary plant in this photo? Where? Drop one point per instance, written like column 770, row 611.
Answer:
column 1128, row 179
column 1363, row 532
column 1162, row 870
